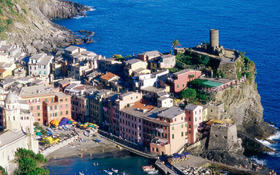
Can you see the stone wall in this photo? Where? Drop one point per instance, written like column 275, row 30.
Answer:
column 57, row 146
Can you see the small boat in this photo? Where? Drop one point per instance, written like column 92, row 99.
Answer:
column 148, row 168
column 115, row 170
column 108, row 172
column 118, row 146
column 153, row 172
column 81, row 173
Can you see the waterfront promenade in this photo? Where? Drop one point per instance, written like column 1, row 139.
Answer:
column 129, row 146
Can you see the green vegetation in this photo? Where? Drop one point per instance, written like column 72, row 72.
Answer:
column 118, row 57
column 30, row 163
column 174, row 44
column 9, row 13
column 245, row 67
column 190, row 60
column 2, row 171
column 195, row 96
column 188, row 94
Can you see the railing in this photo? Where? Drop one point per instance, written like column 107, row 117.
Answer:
column 129, row 146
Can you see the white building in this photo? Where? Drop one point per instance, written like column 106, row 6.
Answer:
column 147, row 80
column 40, row 65
column 18, row 132
column 165, row 102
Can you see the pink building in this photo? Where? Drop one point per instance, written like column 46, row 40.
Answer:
column 181, row 79
column 57, row 109
column 193, row 117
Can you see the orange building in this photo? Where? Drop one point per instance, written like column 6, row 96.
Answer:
column 46, row 103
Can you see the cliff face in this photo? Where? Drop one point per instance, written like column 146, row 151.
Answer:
column 243, row 105
column 32, row 28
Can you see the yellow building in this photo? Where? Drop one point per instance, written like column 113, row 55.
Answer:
column 6, row 69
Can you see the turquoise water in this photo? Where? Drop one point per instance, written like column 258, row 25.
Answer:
column 125, row 162
column 132, row 26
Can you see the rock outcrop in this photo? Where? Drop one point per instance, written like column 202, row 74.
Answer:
column 242, row 104
column 35, row 31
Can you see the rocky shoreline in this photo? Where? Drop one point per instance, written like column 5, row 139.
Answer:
column 37, row 33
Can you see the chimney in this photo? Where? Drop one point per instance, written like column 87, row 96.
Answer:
column 214, row 38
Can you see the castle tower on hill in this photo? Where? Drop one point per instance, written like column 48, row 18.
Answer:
column 214, row 39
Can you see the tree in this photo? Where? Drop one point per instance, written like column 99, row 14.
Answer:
column 203, row 60
column 175, row 43
column 188, row 94
column 2, row 171
column 118, row 57
column 30, row 163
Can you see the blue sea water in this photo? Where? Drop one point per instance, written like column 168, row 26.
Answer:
column 133, row 26
column 124, row 163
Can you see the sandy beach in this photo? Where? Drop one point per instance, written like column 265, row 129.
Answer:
column 88, row 148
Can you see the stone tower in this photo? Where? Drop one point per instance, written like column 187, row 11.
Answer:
column 12, row 112
column 224, row 137
column 214, row 39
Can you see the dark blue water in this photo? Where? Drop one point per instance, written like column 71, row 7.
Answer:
column 132, row 26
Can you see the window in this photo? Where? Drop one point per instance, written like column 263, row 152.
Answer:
column 46, row 100
column 186, row 125
column 178, row 86
column 182, row 134
column 38, row 107
column 31, row 108
column 172, row 127
column 182, row 126
column 172, row 136
column 190, row 126
column 186, row 133
column 38, row 114
column 55, row 107
column 183, row 85
column 61, row 113
column 66, row 99
column 66, row 112
column 52, row 100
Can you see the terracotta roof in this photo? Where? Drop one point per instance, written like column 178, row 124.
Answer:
column 142, row 105
column 108, row 76
column 2, row 70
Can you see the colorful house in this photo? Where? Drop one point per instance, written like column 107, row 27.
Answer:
column 194, row 116
column 179, row 80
